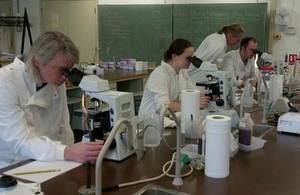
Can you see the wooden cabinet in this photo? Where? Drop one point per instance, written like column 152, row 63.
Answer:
column 75, row 18
column 6, row 7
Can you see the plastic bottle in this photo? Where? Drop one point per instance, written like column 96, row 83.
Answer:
column 245, row 129
column 151, row 130
column 266, row 71
column 247, row 95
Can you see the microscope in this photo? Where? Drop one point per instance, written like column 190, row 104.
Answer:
column 117, row 105
column 216, row 84
column 267, row 58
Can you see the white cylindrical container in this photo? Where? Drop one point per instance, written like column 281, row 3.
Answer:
column 190, row 108
column 217, row 149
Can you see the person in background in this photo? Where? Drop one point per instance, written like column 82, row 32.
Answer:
column 214, row 46
column 34, row 117
column 167, row 80
column 241, row 62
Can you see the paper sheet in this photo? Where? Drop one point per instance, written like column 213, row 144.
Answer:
column 63, row 166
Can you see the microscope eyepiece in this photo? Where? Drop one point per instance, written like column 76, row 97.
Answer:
column 195, row 61
column 74, row 76
column 259, row 53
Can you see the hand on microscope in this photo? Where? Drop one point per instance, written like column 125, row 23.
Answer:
column 204, row 100
column 83, row 152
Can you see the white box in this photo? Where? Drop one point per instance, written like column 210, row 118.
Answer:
column 145, row 65
column 138, row 65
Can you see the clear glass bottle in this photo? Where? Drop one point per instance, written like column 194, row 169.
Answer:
column 245, row 129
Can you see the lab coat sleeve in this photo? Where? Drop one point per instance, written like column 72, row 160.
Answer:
column 17, row 136
column 210, row 51
column 158, row 86
column 66, row 133
column 211, row 54
column 228, row 64
column 189, row 83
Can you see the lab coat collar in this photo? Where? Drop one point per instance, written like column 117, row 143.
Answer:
column 225, row 40
column 21, row 77
column 168, row 66
column 44, row 96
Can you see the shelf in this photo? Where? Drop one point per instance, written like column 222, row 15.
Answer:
column 5, row 62
column 12, row 21
column 18, row 21
column 74, row 100
column 72, row 87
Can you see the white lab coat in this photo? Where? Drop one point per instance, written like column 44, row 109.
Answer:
column 212, row 49
column 232, row 62
column 163, row 85
column 33, row 124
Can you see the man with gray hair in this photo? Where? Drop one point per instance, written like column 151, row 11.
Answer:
column 34, row 117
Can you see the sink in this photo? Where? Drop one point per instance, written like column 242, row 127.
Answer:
column 260, row 130
column 157, row 190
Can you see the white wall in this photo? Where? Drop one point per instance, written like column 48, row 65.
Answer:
column 289, row 43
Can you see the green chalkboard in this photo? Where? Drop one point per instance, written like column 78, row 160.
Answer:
column 142, row 32
column 195, row 21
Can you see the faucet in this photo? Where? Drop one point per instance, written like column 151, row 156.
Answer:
column 264, row 120
column 177, row 180
column 97, row 52
column 113, row 53
column 105, row 148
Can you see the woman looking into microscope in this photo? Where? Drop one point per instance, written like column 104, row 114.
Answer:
column 166, row 81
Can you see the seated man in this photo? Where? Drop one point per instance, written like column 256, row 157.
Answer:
column 241, row 61
column 34, row 117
